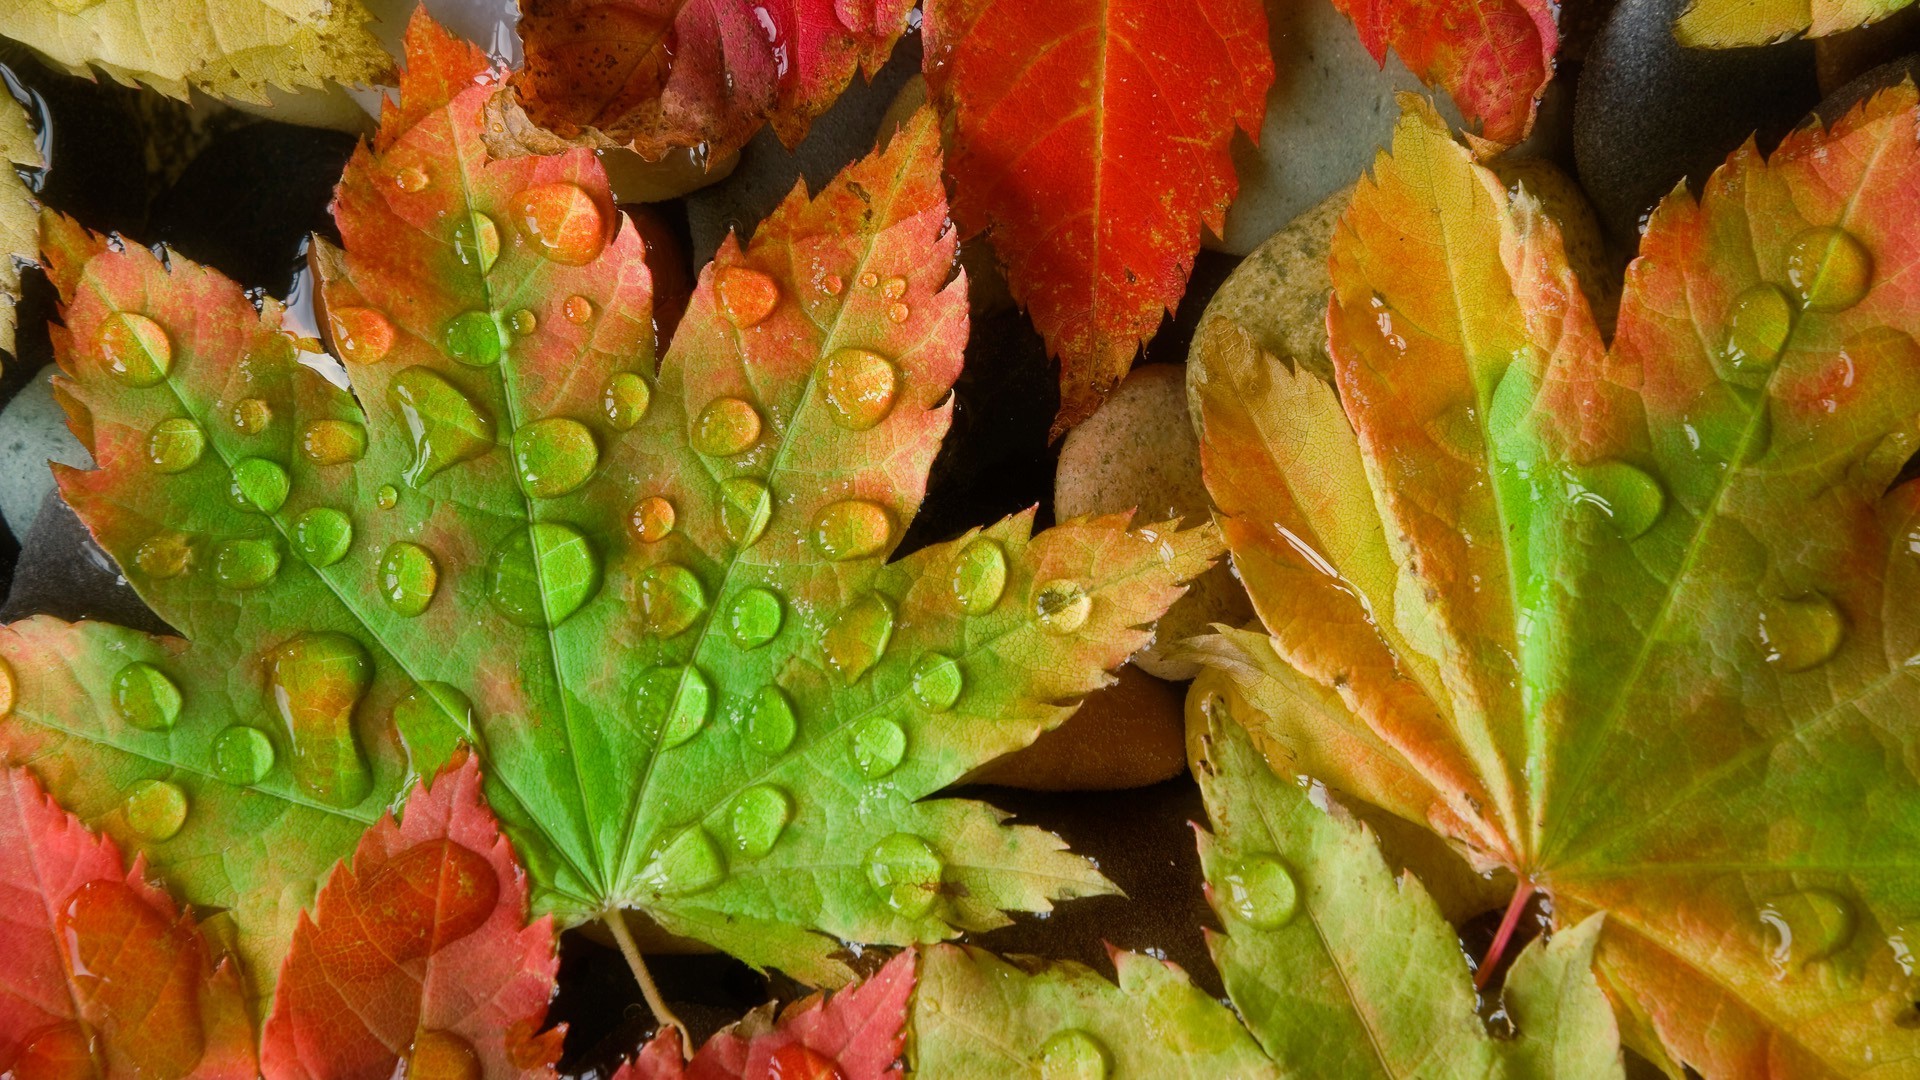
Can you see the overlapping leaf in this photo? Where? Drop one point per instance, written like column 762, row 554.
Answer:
column 1634, row 622
column 1494, row 59
column 657, row 604
column 1722, row 24
column 19, row 216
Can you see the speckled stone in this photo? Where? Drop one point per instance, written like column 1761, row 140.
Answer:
column 33, row 431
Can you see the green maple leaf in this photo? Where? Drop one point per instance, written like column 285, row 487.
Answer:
column 658, row 605
column 1632, row 621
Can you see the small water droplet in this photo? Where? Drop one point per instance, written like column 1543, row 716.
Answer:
column 474, row 338
column 1805, row 927
column 264, row 484
column 410, row 179
column 476, row 241
column 360, row 335
column 1802, row 632
column 878, row 746
column 894, row 288
column 1074, row 1055
column 745, row 506
column 317, row 680
column 671, row 598
column 440, row 1055
column 727, row 426
column 937, row 681
column 760, row 814
column 899, row 313
column 242, row 755
column 251, row 415
column 746, row 295
column 979, row 576
column 578, row 309
column 859, row 388
column 625, row 400
column 387, row 497
column 1061, row 606
column 906, row 872
column 562, row 221
column 523, row 322
column 771, row 726
column 137, row 350
column 322, row 535
column 445, row 425
column 852, row 529
column 691, row 863
column 554, row 456
column 1260, row 891
column 1829, row 269
column 833, row 284
column 858, row 636
column 408, row 578
column 333, row 442
column 156, row 809
column 1627, row 496
column 652, row 519
column 145, row 698
column 1757, row 327
column 164, row 555
column 869, row 279
column 246, row 563
column 542, row 574
column 175, row 445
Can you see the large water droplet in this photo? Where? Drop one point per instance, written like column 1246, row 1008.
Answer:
column 1805, row 927
column 625, row 400
column 264, row 484
column 755, row 617
column 333, row 442
column 138, row 967
column 671, row 702
column 476, row 241
column 242, row 755
column 65, row 1050
column 905, row 871
column 1801, row 632
column 145, row 697
column 859, row 388
column 541, row 575
column 691, row 863
column 459, row 885
column 745, row 507
column 1829, row 269
column 155, row 809
column 858, row 636
column 1757, row 328
column 136, row 349
column 433, row 719
column 727, row 426
column 361, row 335
column 445, row 425
column 175, row 445
column 554, row 456
column 746, row 295
column 562, row 221
column 408, row 577
column 851, row 529
column 317, row 680
column 937, row 681
column 671, row 598
column 1061, row 606
column 1074, row 1055
column 251, row 415
column 246, row 563
column 1627, row 496
column 878, row 746
column 759, row 816
column 322, row 535
column 652, row 519
column 771, row 726
column 797, row 1061
column 475, row 338
column 164, row 555
column 1260, row 892
column 979, row 576
column 440, row 1055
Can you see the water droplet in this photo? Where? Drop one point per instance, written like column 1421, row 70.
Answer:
column 387, row 497
column 1805, row 927
column 937, row 682
column 408, row 577
column 1260, row 892
column 651, row 519
column 1074, row 1055
column 878, row 746
column 164, row 555
column 322, row 535
column 333, row 442
column 691, row 863
column 905, row 871
column 894, row 288
column 771, row 726
column 360, row 335
column 541, row 575
column 1627, row 496
column 859, row 388
column 755, row 617
column 759, row 816
column 899, row 313
column 562, row 221
column 410, row 179
column 445, row 425
column 175, row 445
column 251, row 416
column 727, row 426
column 10, row 688
column 1757, row 327
column 852, row 529
column 61, row 1052
column 670, row 598
column 523, row 322
column 745, row 506
column 317, row 681
column 474, row 338
column 554, row 456
column 137, row 351
column 262, row 483
column 137, row 969
column 979, row 576
column 833, row 284
column 441, row 1055
column 578, row 309
column 857, row 637
column 145, row 697
column 1801, row 632
column 476, row 241
column 242, row 755
column 746, row 295
column 796, row 1061
column 1061, row 606
column 246, row 563
column 1829, row 269
column 156, row 809
column 869, row 279
column 625, row 400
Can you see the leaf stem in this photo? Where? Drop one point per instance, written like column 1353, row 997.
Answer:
column 617, row 923
column 1522, row 893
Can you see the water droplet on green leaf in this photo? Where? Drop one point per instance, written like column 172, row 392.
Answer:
column 145, row 698
column 445, row 425
column 263, row 483
column 625, row 400
column 745, row 506
column 317, row 681
column 1061, row 606
column 156, row 809
column 1800, row 632
column 905, row 871
column 859, row 388
column 727, row 426
column 1805, row 927
column 1074, row 1055
column 251, row 416
column 554, row 456
column 670, row 598
column 671, row 703
column 242, row 755
column 476, row 241
column 1757, row 327
column 164, row 555
column 759, row 816
column 937, row 682
column 878, row 746
column 1829, row 269
column 858, row 636
column 408, row 578
column 322, row 535
column 175, row 445
column 1260, row 892
column 136, row 349
column 541, row 575
column 851, row 529
column 473, row 337
column 1624, row 494
column 691, row 863
column 979, row 576
column 333, row 442
column 771, row 726
column 755, row 617
column 246, row 563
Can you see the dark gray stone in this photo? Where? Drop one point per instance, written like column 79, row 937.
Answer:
column 1835, row 105
column 63, row 572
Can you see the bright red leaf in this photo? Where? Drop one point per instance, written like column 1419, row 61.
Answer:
column 1494, row 57
column 1090, row 143
column 419, row 953
column 100, row 974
